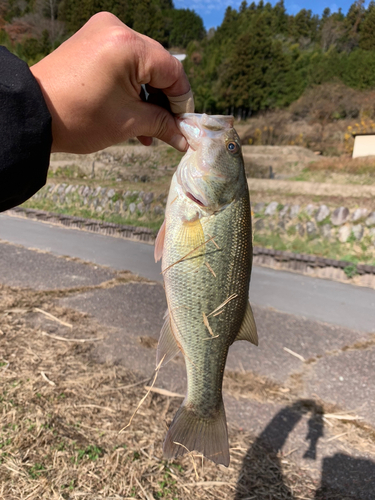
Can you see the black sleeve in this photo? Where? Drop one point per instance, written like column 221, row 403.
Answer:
column 25, row 132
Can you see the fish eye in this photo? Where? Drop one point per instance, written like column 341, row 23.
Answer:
column 232, row 147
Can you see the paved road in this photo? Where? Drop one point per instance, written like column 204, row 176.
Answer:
column 321, row 300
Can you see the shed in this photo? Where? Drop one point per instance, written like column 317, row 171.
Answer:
column 364, row 145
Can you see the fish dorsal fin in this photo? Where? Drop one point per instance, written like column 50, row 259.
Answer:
column 167, row 346
column 159, row 243
column 248, row 330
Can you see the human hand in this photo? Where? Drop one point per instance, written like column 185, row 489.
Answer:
column 92, row 86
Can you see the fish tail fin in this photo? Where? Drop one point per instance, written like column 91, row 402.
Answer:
column 189, row 432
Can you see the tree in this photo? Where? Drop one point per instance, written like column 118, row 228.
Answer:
column 367, row 29
column 76, row 14
column 352, row 23
column 280, row 18
column 151, row 21
column 332, row 32
column 186, row 26
column 304, row 25
column 253, row 77
column 145, row 16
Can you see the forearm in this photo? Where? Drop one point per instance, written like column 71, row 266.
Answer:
column 25, row 132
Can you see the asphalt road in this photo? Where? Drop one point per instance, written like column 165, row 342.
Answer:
column 321, row 300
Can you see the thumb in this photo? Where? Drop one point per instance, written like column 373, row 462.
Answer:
column 153, row 121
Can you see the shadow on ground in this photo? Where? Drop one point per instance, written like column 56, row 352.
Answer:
column 343, row 477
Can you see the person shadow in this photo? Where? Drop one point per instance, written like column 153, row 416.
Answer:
column 261, row 476
column 346, row 477
column 261, row 471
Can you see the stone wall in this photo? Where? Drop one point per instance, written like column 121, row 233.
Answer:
column 103, row 200
column 313, row 221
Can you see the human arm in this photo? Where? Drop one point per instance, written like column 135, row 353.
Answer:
column 25, row 132
column 90, row 86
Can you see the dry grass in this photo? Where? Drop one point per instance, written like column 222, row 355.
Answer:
column 344, row 165
column 61, row 413
column 276, row 128
column 333, row 101
column 62, row 440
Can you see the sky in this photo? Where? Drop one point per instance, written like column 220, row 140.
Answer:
column 212, row 11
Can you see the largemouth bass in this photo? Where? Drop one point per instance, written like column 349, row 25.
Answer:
column 206, row 247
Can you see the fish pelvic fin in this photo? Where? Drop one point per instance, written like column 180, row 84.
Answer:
column 248, row 330
column 159, row 243
column 190, row 432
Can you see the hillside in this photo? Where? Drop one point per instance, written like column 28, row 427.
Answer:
column 294, row 80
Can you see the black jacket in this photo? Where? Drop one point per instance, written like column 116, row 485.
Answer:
column 25, row 132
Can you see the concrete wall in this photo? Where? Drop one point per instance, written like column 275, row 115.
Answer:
column 364, row 145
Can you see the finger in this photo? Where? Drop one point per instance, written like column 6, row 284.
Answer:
column 183, row 103
column 153, row 121
column 163, row 71
column 177, row 104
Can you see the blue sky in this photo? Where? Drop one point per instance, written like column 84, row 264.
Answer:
column 212, row 11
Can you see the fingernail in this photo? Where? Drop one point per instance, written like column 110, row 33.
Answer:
column 179, row 142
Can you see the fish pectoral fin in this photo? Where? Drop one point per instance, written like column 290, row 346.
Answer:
column 248, row 330
column 159, row 243
column 189, row 432
column 191, row 243
column 167, row 346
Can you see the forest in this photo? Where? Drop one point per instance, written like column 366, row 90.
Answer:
column 263, row 58
column 260, row 57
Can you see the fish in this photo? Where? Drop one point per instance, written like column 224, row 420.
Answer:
column 205, row 244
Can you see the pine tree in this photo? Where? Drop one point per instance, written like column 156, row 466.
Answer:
column 280, row 18
column 304, row 25
column 150, row 20
column 253, row 76
column 76, row 14
column 186, row 26
column 367, row 29
column 352, row 24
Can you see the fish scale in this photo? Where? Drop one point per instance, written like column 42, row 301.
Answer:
column 224, row 240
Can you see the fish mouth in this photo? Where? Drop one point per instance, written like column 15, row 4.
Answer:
column 193, row 198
